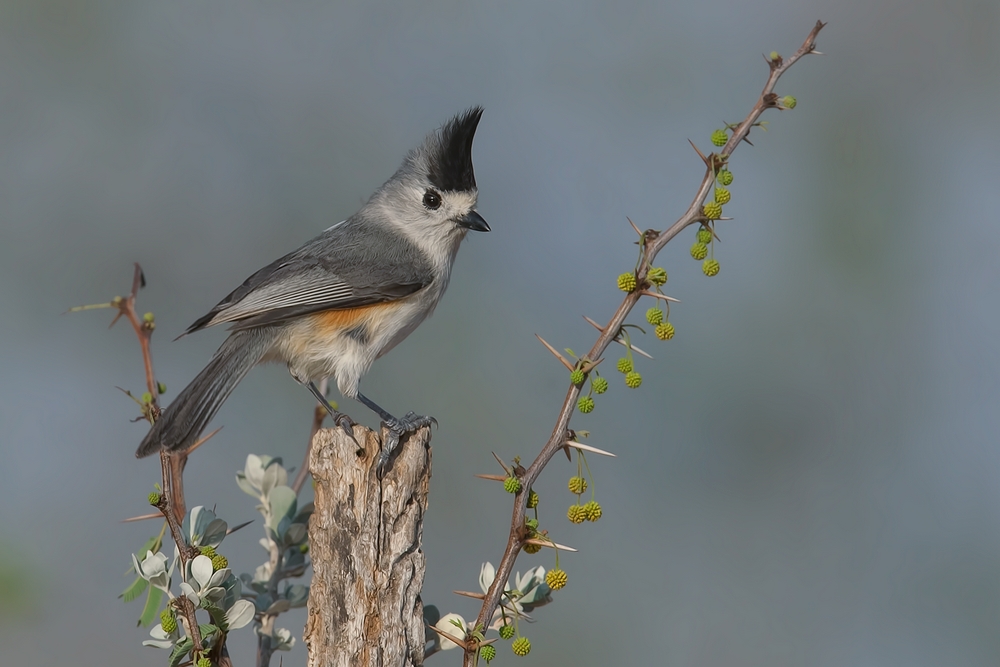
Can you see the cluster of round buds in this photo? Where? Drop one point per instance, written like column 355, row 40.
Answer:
column 219, row 562
column 512, row 484
column 576, row 514
column 657, row 276
column 148, row 321
column 532, row 499
column 719, row 138
column 487, row 653
column 585, row 404
column 532, row 548
column 599, row 384
column 556, row 578
column 207, row 551
column 627, row 282
column 577, row 484
column 168, row 621
column 633, row 380
column 521, row 646
column 576, row 377
column 154, row 498
column 710, row 267
column 506, row 631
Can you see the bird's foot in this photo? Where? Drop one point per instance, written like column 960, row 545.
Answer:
column 397, row 428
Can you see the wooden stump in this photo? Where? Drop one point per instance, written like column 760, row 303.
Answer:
column 365, row 544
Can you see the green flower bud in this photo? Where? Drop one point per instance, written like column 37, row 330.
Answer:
column 654, row 315
column 147, row 398
column 585, row 404
column 699, row 251
column 788, row 102
column 719, row 138
column 556, row 578
column 532, row 499
column 576, row 377
column 710, row 267
column 626, row 282
column 724, row 177
column 577, row 484
column 154, row 498
column 633, row 380
column 506, row 631
column 599, row 384
column 219, row 562
column 665, row 331
column 592, row 510
column 576, row 514
column 147, row 318
column 161, row 388
column 624, row 365
column 704, row 236
column 722, row 195
column 487, row 653
column 521, row 646
column 712, row 210
column 512, row 485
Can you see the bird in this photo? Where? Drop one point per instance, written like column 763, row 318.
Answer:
column 345, row 298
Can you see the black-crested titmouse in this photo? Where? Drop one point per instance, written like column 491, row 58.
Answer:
column 345, row 298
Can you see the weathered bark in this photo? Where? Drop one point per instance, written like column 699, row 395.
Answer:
column 368, row 566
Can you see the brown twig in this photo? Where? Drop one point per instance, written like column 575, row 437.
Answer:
column 518, row 535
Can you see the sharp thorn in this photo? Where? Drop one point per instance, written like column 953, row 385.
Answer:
column 550, row 544
column 201, row 441
column 558, row 356
column 700, row 154
column 588, row 448
column 633, row 226
column 594, row 324
column 235, row 528
column 505, row 468
column 657, row 295
column 468, row 594
column 144, row 517
column 493, row 478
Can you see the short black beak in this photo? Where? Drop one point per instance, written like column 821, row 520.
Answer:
column 473, row 221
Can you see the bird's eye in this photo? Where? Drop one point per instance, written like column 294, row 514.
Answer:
column 432, row 200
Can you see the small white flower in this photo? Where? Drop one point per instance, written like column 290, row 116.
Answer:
column 161, row 639
column 153, row 569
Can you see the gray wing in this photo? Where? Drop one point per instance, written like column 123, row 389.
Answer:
column 356, row 263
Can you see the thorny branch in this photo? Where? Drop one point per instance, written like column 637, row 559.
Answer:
column 172, row 464
column 654, row 242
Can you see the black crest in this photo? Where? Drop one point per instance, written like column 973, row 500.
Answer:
column 450, row 163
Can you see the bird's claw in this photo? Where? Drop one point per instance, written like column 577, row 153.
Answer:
column 397, row 429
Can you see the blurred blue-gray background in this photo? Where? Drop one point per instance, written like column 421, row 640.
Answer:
column 807, row 475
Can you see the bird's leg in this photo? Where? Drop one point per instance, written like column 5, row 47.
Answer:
column 397, row 428
column 339, row 418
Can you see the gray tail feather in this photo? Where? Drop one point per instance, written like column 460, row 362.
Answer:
column 186, row 417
